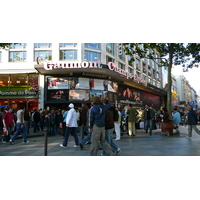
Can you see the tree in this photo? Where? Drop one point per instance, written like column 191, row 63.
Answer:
column 169, row 54
column 4, row 45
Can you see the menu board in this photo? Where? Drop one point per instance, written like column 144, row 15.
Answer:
column 58, row 83
column 99, row 93
column 79, row 95
column 98, row 84
column 79, row 83
column 112, row 86
column 57, row 95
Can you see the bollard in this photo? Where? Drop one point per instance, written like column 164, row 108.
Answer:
column 45, row 144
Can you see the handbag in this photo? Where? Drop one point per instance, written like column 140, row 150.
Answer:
column 5, row 131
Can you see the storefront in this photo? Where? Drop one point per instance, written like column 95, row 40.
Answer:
column 81, row 82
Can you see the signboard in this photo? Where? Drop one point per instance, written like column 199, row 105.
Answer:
column 79, row 95
column 102, row 94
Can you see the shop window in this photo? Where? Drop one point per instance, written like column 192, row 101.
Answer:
column 68, row 54
column 91, row 56
column 18, row 80
column 44, row 55
column 42, row 45
column 68, row 44
column 93, row 45
column 17, row 56
column 4, row 80
column 33, row 79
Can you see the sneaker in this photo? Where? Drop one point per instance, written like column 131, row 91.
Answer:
column 11, row 142
column 118, row 150
column 117, row 139
column 81, row 146
column 189, row 137
column 25, row 142
column 76, row 145
column 3, row 141
column 62, row 146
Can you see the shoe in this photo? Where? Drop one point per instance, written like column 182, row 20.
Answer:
column 118, row 150
column 62, row 146
column 11, row 142
column 189, row 137
column 117, row 139
column 81, row 146
column 25, row 142
column 3, row 141
column 75, row 145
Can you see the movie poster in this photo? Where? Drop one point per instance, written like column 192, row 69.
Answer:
column 79, row 83
column 102, row 94
column 79, row 95
column 112, row 86
column 151, row 100
column 98, row 84
column 58, row 83
column 57, row 95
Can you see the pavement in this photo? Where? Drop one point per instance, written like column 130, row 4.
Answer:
column 141, row 145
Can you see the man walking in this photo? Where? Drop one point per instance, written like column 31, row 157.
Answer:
column 132, row 114
column 192, row 122
column 149, row 115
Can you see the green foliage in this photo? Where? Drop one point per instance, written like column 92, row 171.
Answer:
column 4, row 45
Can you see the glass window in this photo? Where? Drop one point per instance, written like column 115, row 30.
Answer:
column 17, row 56
column 42, row 45
column 67, row 44
column 68, row 54
column 18, row 46
column 44, row 55
column 109, row 59
column 0, row 56
column 33, row 79
column 138, row 74
column 137, row 64
column 18, row 79
column 93, row 45
column 121, row 66
column 92, row 56
column 110, row 48
column 4, row 80
column 130, row 70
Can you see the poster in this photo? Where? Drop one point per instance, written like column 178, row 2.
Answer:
column 98, row 84
column 151, row 100
column 79, row 95
column 79, row 83
column 58, row 83
column 57, row 95
column 102, row 94
column 112, row 86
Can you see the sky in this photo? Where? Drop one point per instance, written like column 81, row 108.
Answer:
column 192, row 75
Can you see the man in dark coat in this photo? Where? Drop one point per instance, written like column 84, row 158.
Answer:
column 192, row 122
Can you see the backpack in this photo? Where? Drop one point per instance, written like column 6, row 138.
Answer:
column 116, row 115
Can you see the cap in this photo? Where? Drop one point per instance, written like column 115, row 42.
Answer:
column 71, row 105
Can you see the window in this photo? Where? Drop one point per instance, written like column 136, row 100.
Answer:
column 67, row 44
column 121, row 66
column 92, row 56
column 137, row 64
column 42, row 45
column 4, row 80
column 44, row 55
column 130, row 70
column 68, row 55
column 0, row 56
column 109, row 59
column 93, row 45
column 18, row 46
column 138, row 74
column 18, row 80
column 17, row 56
column 110, row 48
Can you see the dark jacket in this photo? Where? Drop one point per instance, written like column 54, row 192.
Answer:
column 109, row 119
column 83, row 116
column 97, row 115
column 192, row 118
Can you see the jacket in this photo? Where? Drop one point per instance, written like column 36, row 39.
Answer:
column 176, row 118
column 109, row 119
column 97, row 115
column 192, row 118
column 132, row 114
column 152, row 113
column 71, row 120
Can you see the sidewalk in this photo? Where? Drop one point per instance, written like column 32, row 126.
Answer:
column 141, row 145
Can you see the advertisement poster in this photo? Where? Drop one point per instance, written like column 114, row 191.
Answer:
column 79, row 95
column 151, row 100
column 102, row 94
column 112, row 97
column 112, row 86
column 129, row 95
column 79, row 83
column 58, row 83
column 57, row 95
column 98, row 84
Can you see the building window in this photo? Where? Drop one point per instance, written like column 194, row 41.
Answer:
column 138, row 74
column 42, row 45
column 18, row 46
column 68, row 54
column 44, row 55
column 110, row 48
column 149, row 80
column 121, row 66
column 0, row 56
column 93, row 45
column 68, row 44
column 18, row 80
column 91, row 56
column 4, row 80
column 130, row 70
column 109, row 59
column 17, row 56
column 137, row 64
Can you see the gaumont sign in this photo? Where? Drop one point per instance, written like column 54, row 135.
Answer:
column 111, row 66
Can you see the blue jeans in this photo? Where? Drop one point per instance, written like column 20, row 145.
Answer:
column 148, row 123
column 73, row 131
column 53, row 129
column 87, row 138
column 24, row 131
column 36, row 126
column 110, row 141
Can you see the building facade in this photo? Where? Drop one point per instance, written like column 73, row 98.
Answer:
column 50, row 75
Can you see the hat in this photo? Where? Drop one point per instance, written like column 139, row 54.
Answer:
column 71, row 105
